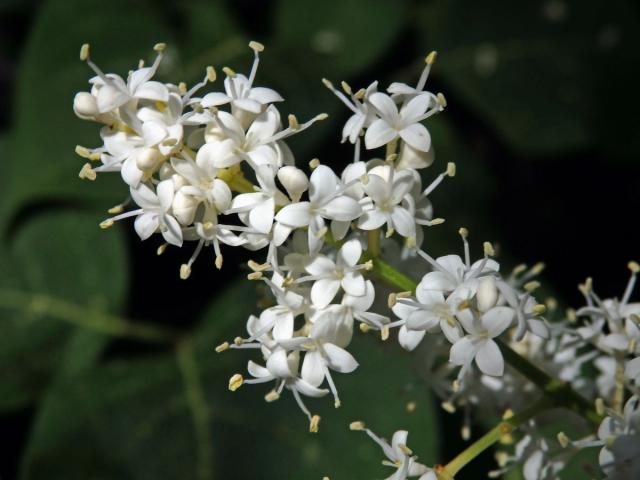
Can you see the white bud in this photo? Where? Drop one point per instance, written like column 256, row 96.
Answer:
column 184, row 207
column 148, row 158
column 294, row 181
column 85, row 105
column 487, row 295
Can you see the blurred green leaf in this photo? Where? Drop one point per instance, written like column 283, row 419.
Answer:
column 53, row 281
column 173, row 417
column 531, row 75
column 46, row 130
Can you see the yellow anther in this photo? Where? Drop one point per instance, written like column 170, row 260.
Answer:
column 405, row 294
column 84, row 52
column 359, row 95
column 346, row 87
column 540, row 309
column 182, row 88
column 364, row 179
column 228, row 72
column 600, row 407
column 465, row 432
column 87, row 173
column 519, row 269
column 211, row 74
column 83, row 152
column 160, row 106
column 185, row 271
column 488, row 249
column 238, row 341
column 633, row 266
column 411, row 406
column 451, row 169
column 406, row 450
column 337, row 403
column 392, row 300
column 327, row 83
column 218, row 262
column 448, row 407
column 313, row 424
column 368, row 265
column 106, row 224
column 437, row 221
column 571, row 315
column 364, row 328
column 322, row 116
column 389, row 233
column 463, row 232
column 391, row 158
column 508, row 413
column 159, row 47
column 256, row 46
column 314, row 163
column 161, row 248
column 441, row 100
column 538, row 268
column 255, row 276
column 563, row 440
column 293, row 122
column 384, row 333
column 115, row 210
column 235, row 382
column 357, row 425
column 222, row 347
column 551, row 303
column 272, row 396
column 431, row 58
column 531, row 286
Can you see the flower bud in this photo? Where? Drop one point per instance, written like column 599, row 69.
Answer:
column 148, row 158
column 85, row 106
column 184, row 208
column 487, row 295
column 294, row 181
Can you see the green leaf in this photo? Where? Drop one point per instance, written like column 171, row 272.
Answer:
column 46, row 130
column 531, row 74
column 64, row 273
column 172, row 416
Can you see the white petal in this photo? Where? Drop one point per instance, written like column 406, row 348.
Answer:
column 283, row 326
column 353, row 284
column 146, row 224
column 339, row 359
column 342, row 208
column 415, row 108
column 497, row 320
column 109, row 98
column 321, row 266
column 379, row 133
column 295, row 215
column 403, row 222
column 307, row 389
column 422, row 320
column 323, row 184
column 410, row 339
column 417, row 136
column 215, row 99
column 350, row 253
column 489, row 359
column 313, row 368
column 257, row 371
column 261, row 217
column 152, row 91
column 278, row 364
column 248, row 105
column 323, row 291
column 130, row 172
column 264, row 95
column 372, row 219
column 153, row 132
column 385, row 106
column 462, row 352
column 378, row 189
column 173, row 232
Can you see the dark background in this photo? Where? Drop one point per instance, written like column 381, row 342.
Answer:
column 541, row 121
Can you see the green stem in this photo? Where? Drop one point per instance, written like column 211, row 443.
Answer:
column 85, row 317
column 200, row 413
column 392, row 276
column 492, row 437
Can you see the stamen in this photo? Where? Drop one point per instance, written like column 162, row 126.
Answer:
column 235, row 382
column 84, row 52
column 357, row 426
column 222, row 347
column 87, row 173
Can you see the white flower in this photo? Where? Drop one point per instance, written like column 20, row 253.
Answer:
column 620, row 437
column 399, row 456
column 240, row 91
column 387, row 190
column 363, row 112
column 328, row 276
column 404, row 124
column 326, row 200
column 324, row 351
column 478, row 344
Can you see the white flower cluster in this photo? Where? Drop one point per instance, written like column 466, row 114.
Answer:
column 214, row 169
